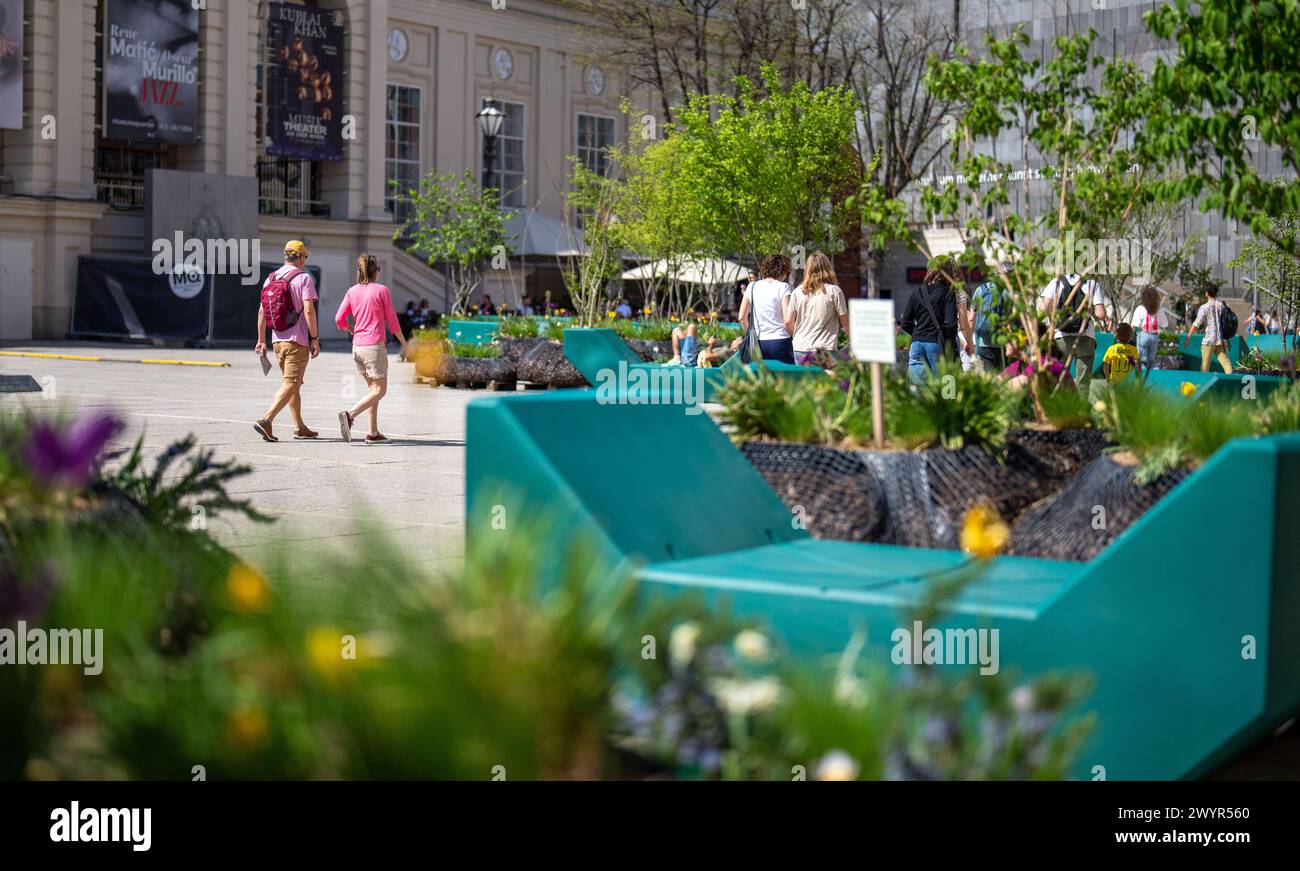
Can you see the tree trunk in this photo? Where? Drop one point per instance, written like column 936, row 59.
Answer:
column 873, row 265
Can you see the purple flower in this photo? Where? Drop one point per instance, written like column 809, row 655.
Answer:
column 69, row 456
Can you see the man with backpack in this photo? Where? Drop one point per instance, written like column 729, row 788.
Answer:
column 989, row 305
column 1220, row 324
column 1078, row 305
column 289, row 308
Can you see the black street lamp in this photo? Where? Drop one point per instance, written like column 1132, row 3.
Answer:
column 490, row 119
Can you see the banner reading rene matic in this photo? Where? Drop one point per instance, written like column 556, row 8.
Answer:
column 304, row 83
column 151, row 74
column 11, row 64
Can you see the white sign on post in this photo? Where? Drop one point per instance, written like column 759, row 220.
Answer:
column 871, row 330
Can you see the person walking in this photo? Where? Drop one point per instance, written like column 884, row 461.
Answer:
column 1078, row 305
column 988, row 310
column 817, row 311
column 1213, row 343
column 768, row 299
column 931, row 320
column 370, row 305
column 1146, row 322
column 289, row 308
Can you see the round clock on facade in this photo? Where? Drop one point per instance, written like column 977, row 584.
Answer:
column 504, row 63
column 595, row 81
column 397, row 45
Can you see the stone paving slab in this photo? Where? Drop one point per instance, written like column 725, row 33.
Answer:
column 412, row 489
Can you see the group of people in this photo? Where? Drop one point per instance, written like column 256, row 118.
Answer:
column 790, row 325
column 942, row 315
column 288, row 309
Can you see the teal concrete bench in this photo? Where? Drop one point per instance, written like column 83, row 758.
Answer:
column 602, row 357
column 1158, row 618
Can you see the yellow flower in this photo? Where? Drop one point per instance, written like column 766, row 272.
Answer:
column 247, row 589
column 983, row 533
column 1188, row 388
column 248, row 727
column 611, row 314
column 672, row 319
column 713, row 315
column 326, row 646
column 646, row 310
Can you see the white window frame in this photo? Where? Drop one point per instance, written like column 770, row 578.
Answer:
column 391, row 125
column 509, row 196
column 579, row 147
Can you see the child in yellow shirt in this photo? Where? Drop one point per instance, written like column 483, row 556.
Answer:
column 1122, row 357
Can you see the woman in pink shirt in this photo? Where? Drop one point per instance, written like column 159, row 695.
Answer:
column 371, row 308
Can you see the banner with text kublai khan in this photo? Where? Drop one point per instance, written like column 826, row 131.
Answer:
column 151, row 74
column 304, row 82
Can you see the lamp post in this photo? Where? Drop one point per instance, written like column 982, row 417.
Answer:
column 490, row 118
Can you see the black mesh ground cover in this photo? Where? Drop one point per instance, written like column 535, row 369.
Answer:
column 545, row 363
column 1047, row 486
column 475, row 371
column 1089, row 512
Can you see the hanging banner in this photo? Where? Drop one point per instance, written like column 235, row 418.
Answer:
column 304, row 82
column 11, row 64
column 151, row 73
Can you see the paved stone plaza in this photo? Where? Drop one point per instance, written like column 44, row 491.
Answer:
column 412, row 489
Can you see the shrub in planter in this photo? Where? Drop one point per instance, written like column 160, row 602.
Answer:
column 546, row 364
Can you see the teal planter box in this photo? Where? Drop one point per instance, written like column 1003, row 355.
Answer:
column 607, row 362
column 1160, row 618
column 479, row 332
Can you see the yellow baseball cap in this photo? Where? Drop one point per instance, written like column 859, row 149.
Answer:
column 296, row 248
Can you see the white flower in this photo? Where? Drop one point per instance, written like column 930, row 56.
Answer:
column 752, row 645
column 681, row 644
column 1022, row 699
column 851, row 690
column 743, row 697
column 836, row 765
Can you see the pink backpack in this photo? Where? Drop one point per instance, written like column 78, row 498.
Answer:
column 277, row 300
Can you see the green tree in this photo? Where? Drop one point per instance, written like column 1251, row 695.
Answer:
column 767, row 170
column 1229, row 93
column 1073, row 110
column 458, row 225
column 1276, row 271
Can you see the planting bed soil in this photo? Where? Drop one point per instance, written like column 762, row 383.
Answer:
column 1048, row 487
column 475, row 372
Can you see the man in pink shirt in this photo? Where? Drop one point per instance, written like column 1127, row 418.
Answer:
column 370, row 306
column 295, row 345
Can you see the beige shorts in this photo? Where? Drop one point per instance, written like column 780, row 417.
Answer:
column 371, row 360
column 293, row 361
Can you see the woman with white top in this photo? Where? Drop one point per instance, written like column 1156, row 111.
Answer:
column 768, row 300
column 817, row 311
column 1146, row 320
